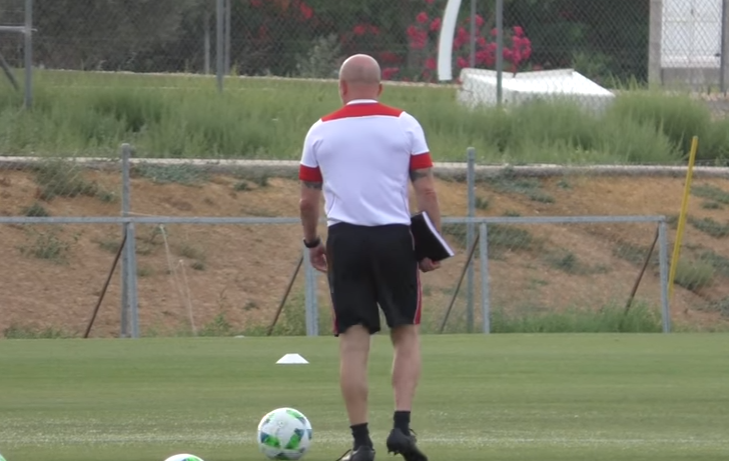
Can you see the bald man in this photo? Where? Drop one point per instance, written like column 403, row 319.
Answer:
column 361, row 157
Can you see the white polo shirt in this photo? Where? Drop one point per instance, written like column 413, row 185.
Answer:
column 363, row 154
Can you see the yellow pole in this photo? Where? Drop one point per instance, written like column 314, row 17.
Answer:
column 682, row 215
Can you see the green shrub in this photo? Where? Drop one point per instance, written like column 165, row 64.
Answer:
column 609, row 319
column 710, row 226
column 184, row 117
column 694, row 275
column 678, row 117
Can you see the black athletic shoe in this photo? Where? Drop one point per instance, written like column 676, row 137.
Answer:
column 363, row 453
column 403, row 444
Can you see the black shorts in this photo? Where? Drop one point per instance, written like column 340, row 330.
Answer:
column 371, row 266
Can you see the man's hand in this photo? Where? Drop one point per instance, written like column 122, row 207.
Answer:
column 426, row 265
column 318, row 258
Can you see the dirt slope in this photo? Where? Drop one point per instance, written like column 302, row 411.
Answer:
column 52, row 275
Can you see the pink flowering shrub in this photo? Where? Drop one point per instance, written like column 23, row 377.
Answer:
column 423, row 34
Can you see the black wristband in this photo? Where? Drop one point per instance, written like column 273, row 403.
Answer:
column 315, row 243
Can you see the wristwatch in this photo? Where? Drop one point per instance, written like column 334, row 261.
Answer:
column 313, row 244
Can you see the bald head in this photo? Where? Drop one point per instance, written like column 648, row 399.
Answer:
column 359, row 78
column 360, row 69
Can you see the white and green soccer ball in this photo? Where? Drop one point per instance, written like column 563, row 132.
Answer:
column 284, row 434
column 184, row 457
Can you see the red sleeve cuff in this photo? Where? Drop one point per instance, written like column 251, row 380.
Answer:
column 420, row 161
column 307, row 173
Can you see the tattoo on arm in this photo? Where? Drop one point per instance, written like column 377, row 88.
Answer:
column 313, row 185
column 419, row 174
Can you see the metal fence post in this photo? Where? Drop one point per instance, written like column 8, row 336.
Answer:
column 219, row 42
column 472, row 38
column 499, row 52
column 470, row 235
column 206, row 42
column 663, row 265
column 126, row 153
column 655, row 37
column 133, row 298
column 483, row 255
column 228, row 15
column 724, row 66
column 28, row 51
column 130, row 301
column 310, row 298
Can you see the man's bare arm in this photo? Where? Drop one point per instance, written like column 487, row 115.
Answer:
column 309, row 208
column 427, row 199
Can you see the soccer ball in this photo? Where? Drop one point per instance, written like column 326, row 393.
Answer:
column 183, row 457
column 284, row 434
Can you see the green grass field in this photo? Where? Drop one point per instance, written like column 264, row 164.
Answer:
column 91, row 114
column 499, row 397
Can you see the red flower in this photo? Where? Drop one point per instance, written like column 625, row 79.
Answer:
column 431, row 64
column 306, row 11
column 256, row 3
column 479, row 20
column 389, row 72
column 389, row 57
column 422, row 18
column 518, row 31
column 461, row 38
column 485, row 57
column 435, row 25
column 462, row 62
column 494, row 32
column 360, row 29
column 417, row 37
column 523, row 46
column 374, row 30
column 429, row 2
column 508, row 54
column 418, row 41
column 481, row 41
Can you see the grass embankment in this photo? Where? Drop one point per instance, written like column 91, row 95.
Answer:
column 541, row 398
column 174, row 116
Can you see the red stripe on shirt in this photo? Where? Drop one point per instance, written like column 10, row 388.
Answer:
column 363, row 110
column 307, row 173
column 418, row 162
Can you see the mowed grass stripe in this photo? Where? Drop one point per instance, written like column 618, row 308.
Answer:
column 540, row 397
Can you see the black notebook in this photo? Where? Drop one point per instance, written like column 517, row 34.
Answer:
column 428, row 242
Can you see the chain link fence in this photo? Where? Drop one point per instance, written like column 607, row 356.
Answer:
column 536, row 271
column 53, row 276
column 12, row 14
column 154, row 55
column 62, row 158
column 703, row 260
column 608, row 42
